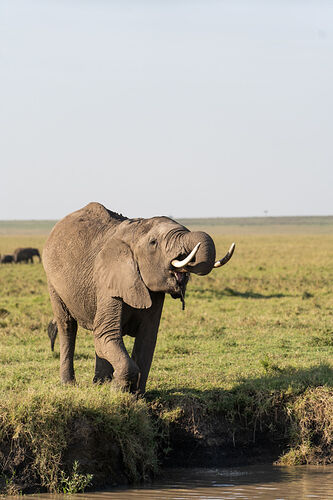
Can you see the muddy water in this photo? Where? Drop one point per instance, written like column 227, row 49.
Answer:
column 262, row 482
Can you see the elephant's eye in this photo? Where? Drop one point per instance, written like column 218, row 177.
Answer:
column 153, row 242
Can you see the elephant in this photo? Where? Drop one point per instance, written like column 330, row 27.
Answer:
column 6, row 259
column 109, row 274
column 52, row 331
column 26, row 254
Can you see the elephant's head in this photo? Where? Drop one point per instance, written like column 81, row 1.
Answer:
column 163, row 254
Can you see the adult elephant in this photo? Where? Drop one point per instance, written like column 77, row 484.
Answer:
column 110, row 274
column 26, row 254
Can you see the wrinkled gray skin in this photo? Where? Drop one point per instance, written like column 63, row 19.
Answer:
column 26, row 254
column 109, row 274
column 7, row 259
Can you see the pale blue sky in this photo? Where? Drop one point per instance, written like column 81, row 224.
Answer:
column 183, row 108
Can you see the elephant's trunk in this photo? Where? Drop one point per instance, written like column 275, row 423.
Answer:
column 182, row 263
column 203, row 261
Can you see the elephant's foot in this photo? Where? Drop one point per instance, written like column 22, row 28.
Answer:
column 127, row 384
column 67, row 376
column 68, row 381
column 117, row 366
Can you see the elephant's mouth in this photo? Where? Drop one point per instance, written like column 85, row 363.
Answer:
column 181, row 282
column 181, row 278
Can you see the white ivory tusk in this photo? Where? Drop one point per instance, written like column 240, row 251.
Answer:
column 227, row 257
column 183, row 263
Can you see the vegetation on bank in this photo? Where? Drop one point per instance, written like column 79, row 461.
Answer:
column 52, row 437
column 246, row 367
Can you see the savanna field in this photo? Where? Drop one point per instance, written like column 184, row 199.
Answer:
column 244, row 374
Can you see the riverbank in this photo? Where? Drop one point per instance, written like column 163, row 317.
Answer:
column 67, row 440
column 243, row 375
column 247, row 427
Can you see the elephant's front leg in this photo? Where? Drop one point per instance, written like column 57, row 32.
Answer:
column 109, row 343
column 146, row 336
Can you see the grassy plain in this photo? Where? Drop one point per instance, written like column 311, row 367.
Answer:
column 248, row 363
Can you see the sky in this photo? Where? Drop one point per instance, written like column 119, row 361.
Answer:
column 203, row 108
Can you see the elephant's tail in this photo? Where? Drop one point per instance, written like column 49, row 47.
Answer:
column 52, row 331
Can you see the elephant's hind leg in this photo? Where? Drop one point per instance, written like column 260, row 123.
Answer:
column 67, row 328
column 103, row 370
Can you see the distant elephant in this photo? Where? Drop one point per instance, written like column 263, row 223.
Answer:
column 26, row 254
column 110, row 274
column 6, row 259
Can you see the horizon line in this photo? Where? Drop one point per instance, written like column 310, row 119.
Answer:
column 189, row 217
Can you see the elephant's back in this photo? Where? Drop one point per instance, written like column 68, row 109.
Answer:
column 76, row 236
column 69, row 255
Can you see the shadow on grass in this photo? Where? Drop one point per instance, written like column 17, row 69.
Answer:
column 252, row 295
column 230, row 292
column 275, row 379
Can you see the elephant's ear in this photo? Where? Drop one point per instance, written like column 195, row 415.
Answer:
column 117, row 270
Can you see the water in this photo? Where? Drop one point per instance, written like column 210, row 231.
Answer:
column 255, row 482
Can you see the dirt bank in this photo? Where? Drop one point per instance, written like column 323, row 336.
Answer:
column 239, row 429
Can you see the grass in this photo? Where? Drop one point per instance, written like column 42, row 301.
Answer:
column 249, row 362
column 52, row 438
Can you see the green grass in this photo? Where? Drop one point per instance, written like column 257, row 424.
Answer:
column 252, row 355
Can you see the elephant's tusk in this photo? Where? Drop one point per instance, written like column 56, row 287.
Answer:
column 184, row 262
column 227, row 257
